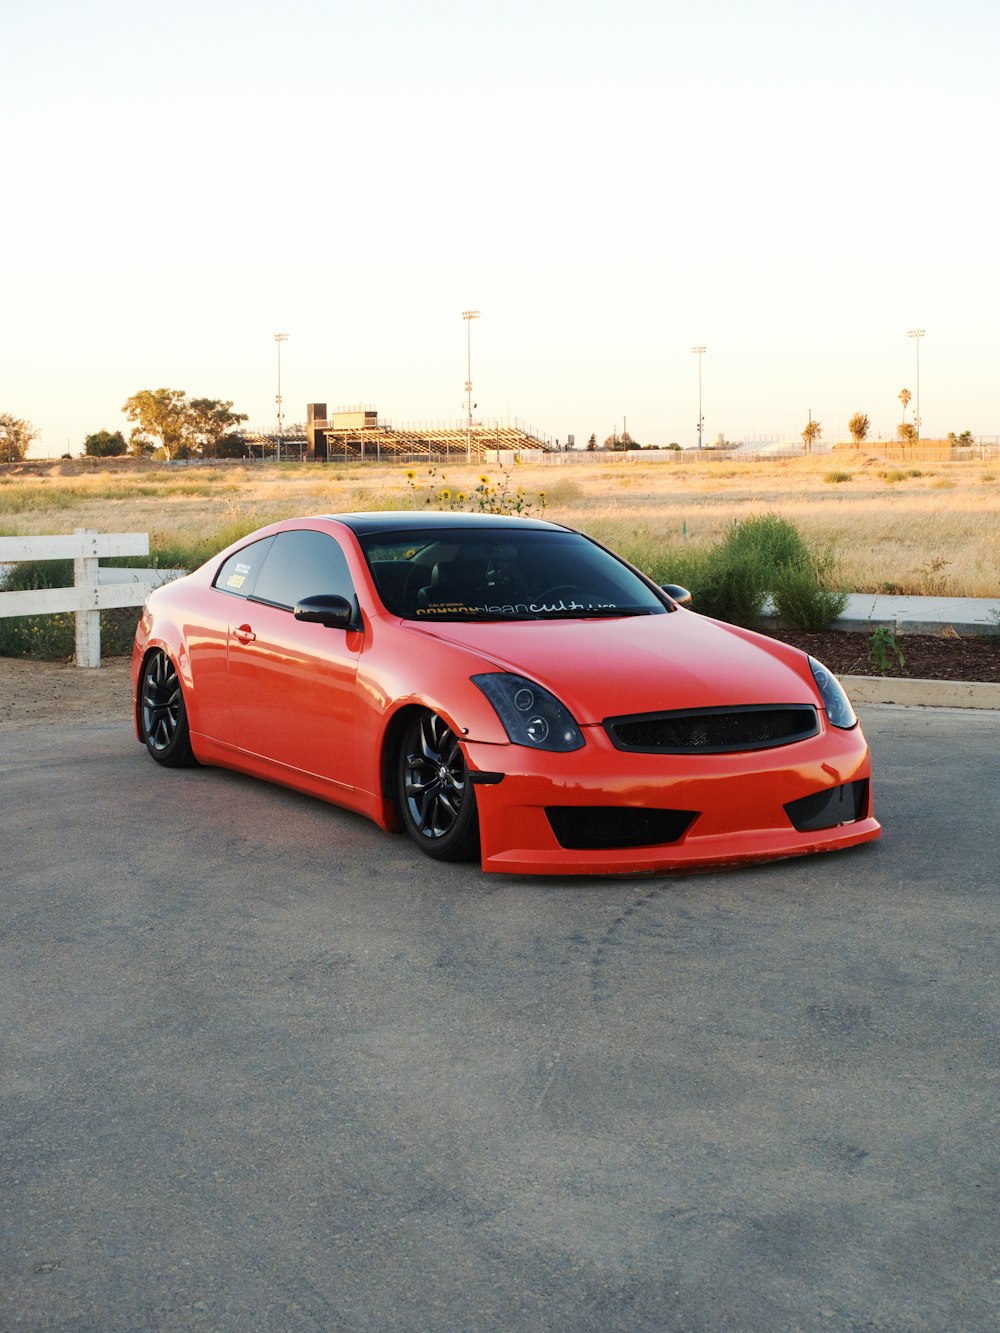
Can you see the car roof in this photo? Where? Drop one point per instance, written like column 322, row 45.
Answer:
column 388, row 521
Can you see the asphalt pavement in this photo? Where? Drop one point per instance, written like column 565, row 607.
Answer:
column 265, row 1067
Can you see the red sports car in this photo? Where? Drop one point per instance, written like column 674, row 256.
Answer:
column 501, row 688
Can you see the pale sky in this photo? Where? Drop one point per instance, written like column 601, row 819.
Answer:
column 792, row 186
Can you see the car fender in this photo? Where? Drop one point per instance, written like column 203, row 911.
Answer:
column 159, row 630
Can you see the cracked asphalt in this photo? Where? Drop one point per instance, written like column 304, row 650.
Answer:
column 262, row 1066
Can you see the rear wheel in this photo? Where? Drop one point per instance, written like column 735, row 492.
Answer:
column 437, row 803
column 162, row 715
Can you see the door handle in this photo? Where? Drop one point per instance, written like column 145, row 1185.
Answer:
column 244, row 634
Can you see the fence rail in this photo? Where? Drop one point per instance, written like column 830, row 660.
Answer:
column 94, row 589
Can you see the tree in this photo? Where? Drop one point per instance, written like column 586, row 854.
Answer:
column 907, row 432
column 208, row 420
column 166, row 419
column 105, row 444
column 231, row 446
column 15, row 436
column 904, row 398
column 963, row 441
column 161, row 419
column 592, row 442
column 859, row 426
column 811, row 434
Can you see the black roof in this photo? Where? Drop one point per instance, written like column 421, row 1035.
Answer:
column 404, row 520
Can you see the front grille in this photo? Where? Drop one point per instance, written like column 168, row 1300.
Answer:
column 602, row 827
column 829, row 808
column 713, row 730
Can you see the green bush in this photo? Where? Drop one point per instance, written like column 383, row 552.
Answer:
column 801, row 600
column 761, row 556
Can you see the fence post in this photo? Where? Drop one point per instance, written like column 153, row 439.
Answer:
column 88, row 623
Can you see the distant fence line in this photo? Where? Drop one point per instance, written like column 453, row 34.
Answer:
column 883, row 449
column 984, row 448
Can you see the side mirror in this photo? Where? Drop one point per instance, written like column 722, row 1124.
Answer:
column 680, row 595
column 325, row 609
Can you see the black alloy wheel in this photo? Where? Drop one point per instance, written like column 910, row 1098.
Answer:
column 437, row 802
column 162, row 715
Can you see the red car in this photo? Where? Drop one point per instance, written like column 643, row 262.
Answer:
column 501, row 688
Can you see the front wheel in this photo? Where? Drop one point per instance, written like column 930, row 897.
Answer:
column 162, row 716
column 437, row 803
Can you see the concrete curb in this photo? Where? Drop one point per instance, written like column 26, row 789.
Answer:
column 922, row 693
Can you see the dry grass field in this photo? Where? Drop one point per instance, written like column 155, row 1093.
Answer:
column 932, row 528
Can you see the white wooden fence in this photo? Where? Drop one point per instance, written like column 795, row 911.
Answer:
column 94, row 589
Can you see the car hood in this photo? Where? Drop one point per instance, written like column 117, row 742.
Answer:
column 639, row 664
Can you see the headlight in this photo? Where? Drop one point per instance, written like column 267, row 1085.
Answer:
column 839, row 709
column 530, row 715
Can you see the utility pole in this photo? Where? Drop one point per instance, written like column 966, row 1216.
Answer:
column 699, row 352
column 279, row 338
column 468, row 316
column 916, row 335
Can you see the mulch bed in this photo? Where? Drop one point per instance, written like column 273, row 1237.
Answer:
column 925, row 656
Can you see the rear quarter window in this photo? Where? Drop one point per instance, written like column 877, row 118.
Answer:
column 238, row 574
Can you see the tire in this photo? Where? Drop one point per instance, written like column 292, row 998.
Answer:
column 436, row 800
column 163, row 722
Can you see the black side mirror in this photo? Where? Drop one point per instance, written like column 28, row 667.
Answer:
column 325, row 609
column 680, row 595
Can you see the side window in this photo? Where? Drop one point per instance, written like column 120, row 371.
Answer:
column 240, row 571
column 301, row 564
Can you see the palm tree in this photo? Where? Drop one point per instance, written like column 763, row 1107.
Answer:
column 859, row 426
column 904, row 398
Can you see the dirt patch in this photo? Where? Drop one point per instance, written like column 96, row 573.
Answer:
column 925, row 656
column 33, row 693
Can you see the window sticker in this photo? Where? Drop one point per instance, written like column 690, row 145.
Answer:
column 236, row 580
column 517, row 610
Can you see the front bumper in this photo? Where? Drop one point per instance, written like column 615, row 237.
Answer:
column 736, row 802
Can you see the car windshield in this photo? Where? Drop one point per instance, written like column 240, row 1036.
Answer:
column 506, row 575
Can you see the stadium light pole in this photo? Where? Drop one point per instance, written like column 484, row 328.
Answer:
column 916, row 335
column 699, row 352
column 279, row 338
column 468, row 316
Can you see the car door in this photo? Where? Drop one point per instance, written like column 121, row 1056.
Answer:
column 207, row 638
column 291, row 683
